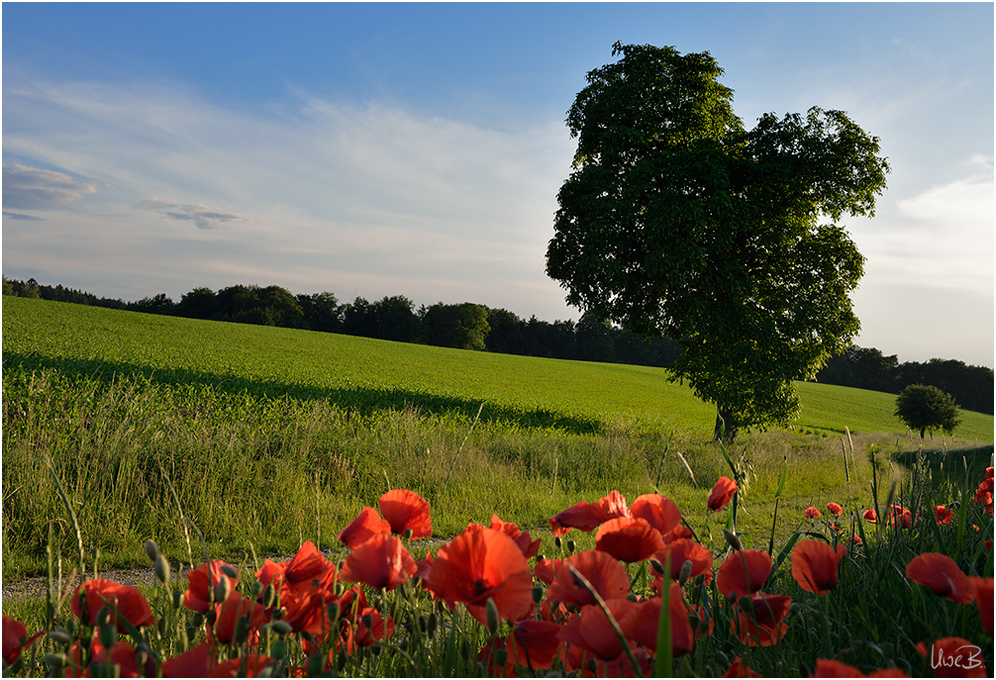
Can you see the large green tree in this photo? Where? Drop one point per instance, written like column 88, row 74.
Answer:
column 927, row 408
column 678, row 221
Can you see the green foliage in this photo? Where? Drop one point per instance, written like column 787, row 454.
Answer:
column 678, row 221
column 926, row 408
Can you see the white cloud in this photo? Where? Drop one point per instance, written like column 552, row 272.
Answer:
column 27, row 188
column 201, row 215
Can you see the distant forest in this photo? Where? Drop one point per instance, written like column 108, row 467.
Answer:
column 472, row 326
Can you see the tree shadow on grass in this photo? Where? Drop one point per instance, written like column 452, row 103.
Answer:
column 964, row 466
column 361, row 400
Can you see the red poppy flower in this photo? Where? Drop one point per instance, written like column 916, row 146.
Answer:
column 614, row 505
column 231, row 610
column 738, row 670
column 814, row 565
column 121, row 654
column 604, row 572
column 684, row 550
column 197, row 662
column 591, row 630
column 811, row 513
column 763, row 624
column 743, row 572
column 533, row 644
column 201, row 582
column 124, row 601
column 640, row 622
column 366, row 525
column 478, row 565
column 16, row 640
column 831, row 668
column 306, row 584
column 983, row 588
column 582, row 515
column 954, row 657
column 942, row 515
column 680, row 531
column 940, row 573
column 404, row 510
column 870, row 515
column 899, row 516
column 834, row 509
column 360, row 625
column 721, row 494
column 545, row 569
column 381, row 562
column 526, row 544
column 661, row 512
column 629, row 539
column 247, row 666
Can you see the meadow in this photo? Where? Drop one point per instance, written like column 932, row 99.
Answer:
column 239, row 441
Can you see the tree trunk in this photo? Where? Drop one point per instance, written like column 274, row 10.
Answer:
column 726, row 422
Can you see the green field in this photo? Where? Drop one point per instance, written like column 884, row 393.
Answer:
column 271, row 435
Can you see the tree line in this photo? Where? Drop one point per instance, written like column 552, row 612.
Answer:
column 463, row 326
column 473, row 326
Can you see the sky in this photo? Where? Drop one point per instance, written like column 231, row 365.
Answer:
column 380, row 149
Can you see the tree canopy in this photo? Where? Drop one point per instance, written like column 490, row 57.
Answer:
column 678, row 221
column 926, row 408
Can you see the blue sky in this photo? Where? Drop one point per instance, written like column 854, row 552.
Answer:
column 417, row 149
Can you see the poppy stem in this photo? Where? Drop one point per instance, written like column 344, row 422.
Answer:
column 579, row 578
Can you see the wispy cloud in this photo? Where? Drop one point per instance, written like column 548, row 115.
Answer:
column 27, row 188
column 201, row 215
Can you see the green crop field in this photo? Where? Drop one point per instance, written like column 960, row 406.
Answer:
column 146, row 419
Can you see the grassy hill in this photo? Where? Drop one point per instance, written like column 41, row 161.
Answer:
column 262, row 437
column 367, row 373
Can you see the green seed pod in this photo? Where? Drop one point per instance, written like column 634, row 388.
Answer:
column 746, row 603
column 151, row 549
column 222, row 590
column 211, row 616
column 60, row 636
column 177, row 599
column 281, row 627
column 316, row 665
column 431, row 626
column 55, row 663
column 367, row 621
column 732, row 539
column 257, row 590
column 108, row 635
column 538, row 594
column 686, row 571
column 198, row 619
column 501, row 656
column 491, row 612
column 278, row 650
column 230, row 571
column 267, row 599
column 593, row 665
column 242, row 630
column 103, row 616
column 162, row 569
column 334, row 610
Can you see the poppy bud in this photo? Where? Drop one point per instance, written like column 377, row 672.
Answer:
column 162, row 569
column 222, row 589
column 501, row 656
column 55, row 663
column 430, row 629
column 732, row 539
column 367, row 620
column 108, row 635
column 267, row 598
column 538, row 594
column 593, row 665
column 571, row 545
column 423, row 622
column 408, row 533
column 316, row 665
column 278, row 649
column 281, row 627
column 558, row 541
column 60, row 636
column 491, row 611
column 141, row 655
column 745, row 603
column 211, row 616
column 151, row 549
column 103, row 616
column 333, row 611
column 656, row 565
column 686, row 571
column 242, row 630
column 229, row 571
